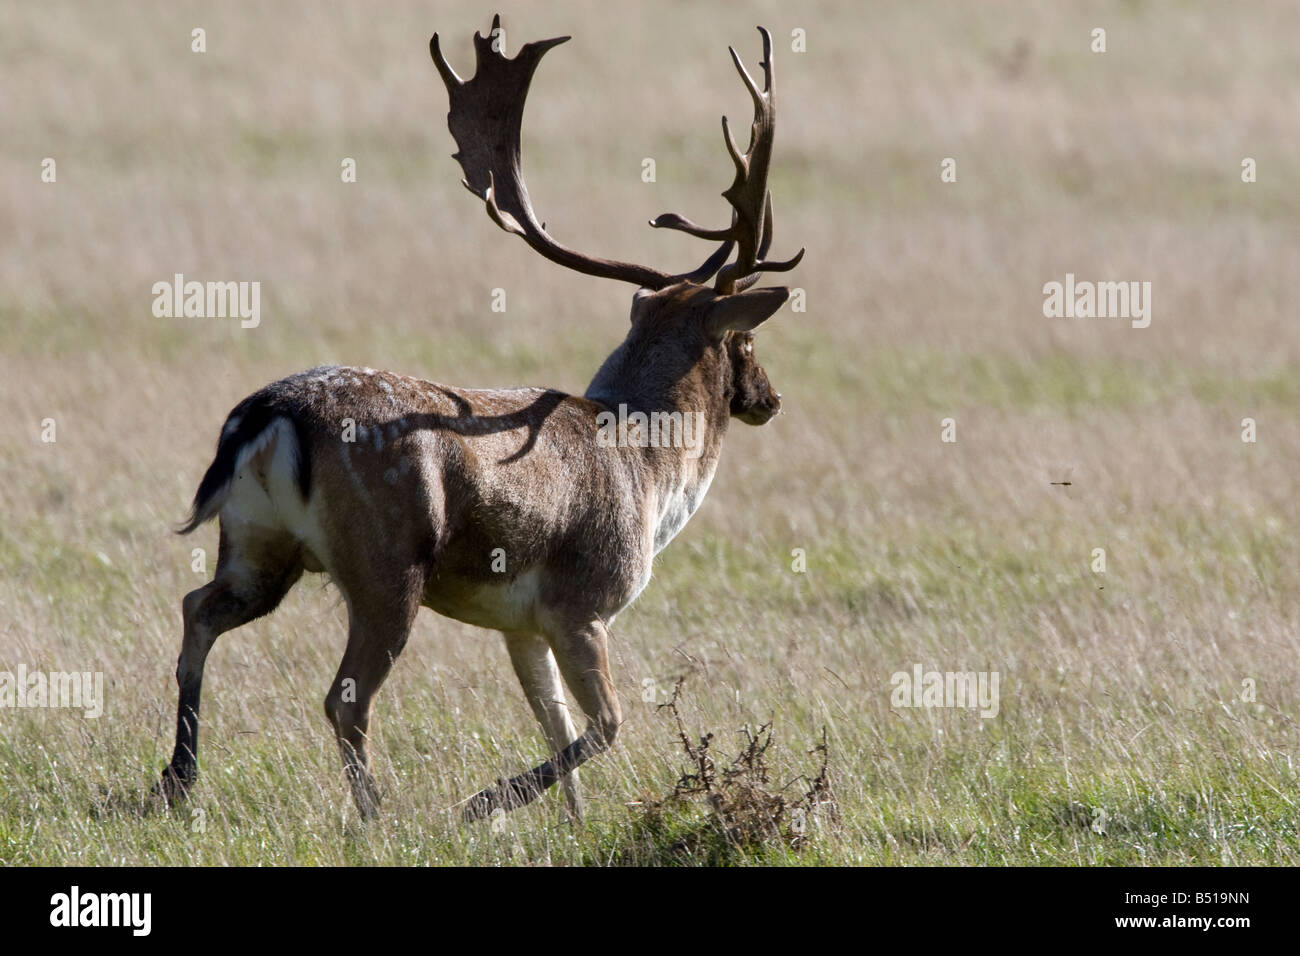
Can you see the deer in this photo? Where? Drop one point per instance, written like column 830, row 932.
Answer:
column 512, row 509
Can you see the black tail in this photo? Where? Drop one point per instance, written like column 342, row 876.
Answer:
column 254, row 415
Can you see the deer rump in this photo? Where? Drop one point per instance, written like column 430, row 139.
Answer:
column 255, row 429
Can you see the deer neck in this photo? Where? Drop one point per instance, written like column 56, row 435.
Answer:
column 674, row 431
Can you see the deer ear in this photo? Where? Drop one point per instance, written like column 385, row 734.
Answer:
column 743, row 311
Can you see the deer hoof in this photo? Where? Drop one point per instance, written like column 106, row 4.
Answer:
column 173, row 787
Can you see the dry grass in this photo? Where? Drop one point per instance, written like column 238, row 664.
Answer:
column 718, row 813
column 1121, row 735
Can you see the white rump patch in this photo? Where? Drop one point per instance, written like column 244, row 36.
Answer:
column 280, row 430
column 269, row 496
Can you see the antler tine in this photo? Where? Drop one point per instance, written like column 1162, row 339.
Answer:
column 765, row 63
column 742, row 164
column 448, row 75
column 670, row 220
column 764, row 264
column 751, row 202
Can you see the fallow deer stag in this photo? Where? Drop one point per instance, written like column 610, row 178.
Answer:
column 404, row 491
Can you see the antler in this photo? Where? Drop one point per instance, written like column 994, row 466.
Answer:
column 485, row 118
column 751, row 222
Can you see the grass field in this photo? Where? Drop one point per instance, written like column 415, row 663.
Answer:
column 1147, row 714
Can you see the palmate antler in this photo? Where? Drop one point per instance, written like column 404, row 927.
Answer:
column 485, row 119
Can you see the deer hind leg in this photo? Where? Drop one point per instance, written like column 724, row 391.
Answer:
column 539, row 676
column 582, row 654
column 256, row 567
column 379, row 623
